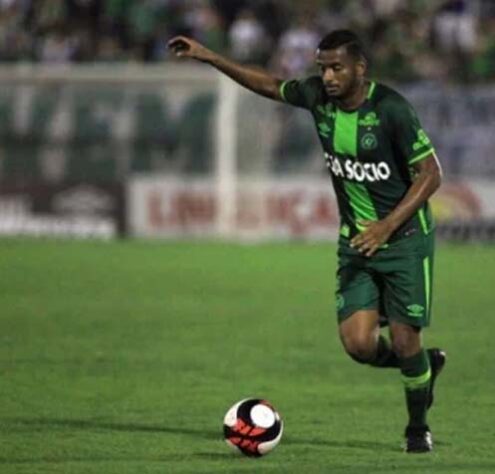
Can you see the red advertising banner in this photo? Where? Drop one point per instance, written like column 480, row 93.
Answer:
column 174, row 208
column 278, row 209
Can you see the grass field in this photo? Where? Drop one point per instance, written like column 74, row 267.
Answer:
column 123, row 357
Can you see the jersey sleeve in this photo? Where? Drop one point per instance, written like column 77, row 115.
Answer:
column 300, row 92
column 409, row 136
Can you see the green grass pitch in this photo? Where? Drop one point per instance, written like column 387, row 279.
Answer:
column 123, row 358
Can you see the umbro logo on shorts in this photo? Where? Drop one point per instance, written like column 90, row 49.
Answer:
column 415, row 310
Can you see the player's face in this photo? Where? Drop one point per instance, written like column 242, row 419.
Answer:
column 341, row 73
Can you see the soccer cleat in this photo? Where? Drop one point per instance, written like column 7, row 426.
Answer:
column 437, row 361
column 418, row 439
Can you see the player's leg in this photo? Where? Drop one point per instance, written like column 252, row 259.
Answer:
column 436, row 356
column 416, row 376
column 359, row 335
column 407, row 298
column 357, row 299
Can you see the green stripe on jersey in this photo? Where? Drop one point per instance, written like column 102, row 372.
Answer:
column 421, row 156
column 361, row 203
column 371, row 89
column 345, row 136
column 345, row 141
column 282, row 88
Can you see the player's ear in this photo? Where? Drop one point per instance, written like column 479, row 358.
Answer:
column 361, row 67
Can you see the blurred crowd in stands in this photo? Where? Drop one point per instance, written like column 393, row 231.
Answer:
column 445, row 40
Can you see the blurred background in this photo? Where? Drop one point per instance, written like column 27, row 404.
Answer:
column 104, row 134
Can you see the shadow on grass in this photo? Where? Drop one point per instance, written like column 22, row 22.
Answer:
column 449, row 468
column 47, row 424
column 12, row 425
column 68, row 458
column 356, row 444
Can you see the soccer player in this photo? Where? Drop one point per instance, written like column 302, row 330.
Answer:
column 384, row 169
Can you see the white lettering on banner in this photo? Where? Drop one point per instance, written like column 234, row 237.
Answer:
column 84, row 199
column 50, row 226
column 357, row 171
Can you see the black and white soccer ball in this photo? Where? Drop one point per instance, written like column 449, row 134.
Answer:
column 253, row 427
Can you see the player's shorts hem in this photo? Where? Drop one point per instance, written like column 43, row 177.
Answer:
column 347, row 313
column 418, row 323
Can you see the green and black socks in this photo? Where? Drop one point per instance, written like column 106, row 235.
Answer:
column 416, row 376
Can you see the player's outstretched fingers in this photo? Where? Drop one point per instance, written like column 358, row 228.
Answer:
column 179, row 45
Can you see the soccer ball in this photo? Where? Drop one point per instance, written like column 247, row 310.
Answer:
column 253, row 427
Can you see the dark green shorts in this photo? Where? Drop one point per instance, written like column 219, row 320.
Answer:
column 396, row 280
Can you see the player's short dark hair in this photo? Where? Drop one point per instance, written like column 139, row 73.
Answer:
column 349, row 40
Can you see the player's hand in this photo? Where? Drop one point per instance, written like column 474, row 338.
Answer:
column 184, row 47
column 374, row 235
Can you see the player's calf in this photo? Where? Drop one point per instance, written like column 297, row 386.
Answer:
column 437, row 362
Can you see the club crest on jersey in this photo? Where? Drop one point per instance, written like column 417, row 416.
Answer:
column 356, row 170
column 369, row 141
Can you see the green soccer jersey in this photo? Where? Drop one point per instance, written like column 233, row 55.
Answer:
column 368, row 152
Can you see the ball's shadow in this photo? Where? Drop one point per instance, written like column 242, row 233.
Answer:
column 51, row 424
column 48, row 424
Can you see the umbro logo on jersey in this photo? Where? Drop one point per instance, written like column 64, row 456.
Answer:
column 357, row 171
column 421, row 141
column 324, row 130
column 370, row 120
column 327, row 110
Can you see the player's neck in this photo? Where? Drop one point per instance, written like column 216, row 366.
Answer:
column 355, row 98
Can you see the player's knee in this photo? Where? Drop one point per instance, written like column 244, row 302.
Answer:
column 359, row 348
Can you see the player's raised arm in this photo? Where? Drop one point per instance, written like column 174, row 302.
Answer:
column 254, row 79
